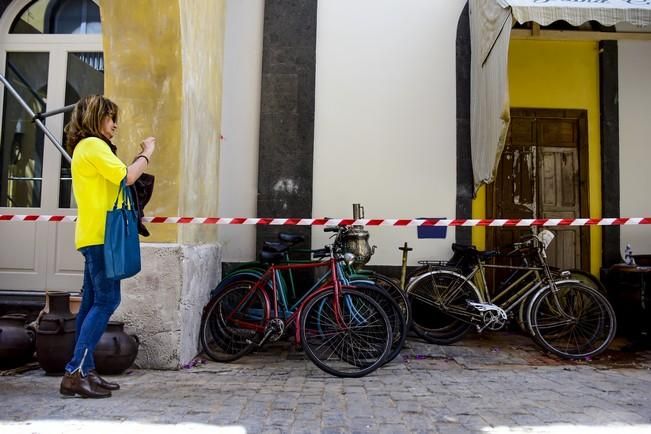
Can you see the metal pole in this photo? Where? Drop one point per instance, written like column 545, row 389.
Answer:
column 40, row 124
column 20, row 77
column 65, row 109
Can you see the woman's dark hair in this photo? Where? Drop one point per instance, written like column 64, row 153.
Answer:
column 86, row 120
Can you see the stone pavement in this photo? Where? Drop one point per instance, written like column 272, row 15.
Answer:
column 494, row 383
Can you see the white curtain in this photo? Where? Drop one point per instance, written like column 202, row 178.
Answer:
column 490, row 32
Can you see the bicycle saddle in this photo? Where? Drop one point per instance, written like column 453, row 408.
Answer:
column 275, row 247
column 462, row 248
column 472, row 250
column 289, row 237
column 320, row 253
column 268, row 257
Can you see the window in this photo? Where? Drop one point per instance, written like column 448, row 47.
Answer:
column 47, row 76
column 21, row 160
column 59, row 17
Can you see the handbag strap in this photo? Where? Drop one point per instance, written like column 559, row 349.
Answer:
column 127, row 199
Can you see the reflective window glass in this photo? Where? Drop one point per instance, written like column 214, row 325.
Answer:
column 21, row 145
column 59, row 16
column 84, row 76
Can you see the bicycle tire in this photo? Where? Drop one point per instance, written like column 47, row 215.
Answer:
column 573, row 321
column 587, row 279
column 417, row 272
column 248, row 274
column 393, row 311
column 433, row 319
column 221, row 338
column 364, row 337
column 583, row 277
column 398, row 295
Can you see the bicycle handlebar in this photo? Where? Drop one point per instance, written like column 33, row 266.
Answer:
column 522, row 245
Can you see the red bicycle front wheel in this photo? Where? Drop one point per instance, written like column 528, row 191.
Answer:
column 352, row 344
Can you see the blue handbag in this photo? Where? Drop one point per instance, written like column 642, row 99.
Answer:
column 121, row 242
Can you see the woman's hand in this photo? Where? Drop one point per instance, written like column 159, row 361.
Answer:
column 141, row 161
column 148, row 145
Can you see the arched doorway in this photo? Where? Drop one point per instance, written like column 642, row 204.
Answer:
column 52, row 55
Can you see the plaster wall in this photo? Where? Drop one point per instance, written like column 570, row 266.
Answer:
column 634, row 133
column 202, row 41
column 164, row 69
column 385, row 118
column 238, row 168
column 143, row 75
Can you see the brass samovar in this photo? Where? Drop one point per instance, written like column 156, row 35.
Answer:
column 355, row 240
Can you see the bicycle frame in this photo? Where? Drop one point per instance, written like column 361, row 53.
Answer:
column 346, row 273
column 255, row 270
column 515, row 292
column 330, row 280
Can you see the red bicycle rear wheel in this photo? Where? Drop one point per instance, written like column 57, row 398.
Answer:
column 233, row 322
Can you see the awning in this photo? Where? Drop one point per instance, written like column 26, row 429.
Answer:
column 490, row 31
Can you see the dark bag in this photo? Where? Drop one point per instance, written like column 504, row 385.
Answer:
column 141, row 191
column 121, row 243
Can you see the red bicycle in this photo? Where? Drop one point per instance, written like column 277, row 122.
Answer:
column 344, row 331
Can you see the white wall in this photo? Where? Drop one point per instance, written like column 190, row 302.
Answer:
column 635, row 140
column 385, row 117
column 238, row 171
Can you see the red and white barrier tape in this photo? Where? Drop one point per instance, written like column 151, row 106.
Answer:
column 364, row 222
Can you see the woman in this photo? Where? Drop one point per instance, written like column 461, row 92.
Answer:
column 96, row 176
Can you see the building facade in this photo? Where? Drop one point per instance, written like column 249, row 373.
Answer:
column 302, row 108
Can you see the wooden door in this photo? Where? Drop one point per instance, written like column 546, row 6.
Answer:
column 543, row 174
column 559, row 194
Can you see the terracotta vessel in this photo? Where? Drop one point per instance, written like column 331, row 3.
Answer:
column 116, row 350
column 16, row 342
column 55, row 336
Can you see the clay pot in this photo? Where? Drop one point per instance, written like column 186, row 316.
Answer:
column 116, row 351
column 16, row 342
column 55, row 336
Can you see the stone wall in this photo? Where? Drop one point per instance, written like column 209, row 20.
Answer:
column 162, row 304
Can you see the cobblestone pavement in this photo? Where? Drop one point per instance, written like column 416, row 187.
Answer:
column 498, row 383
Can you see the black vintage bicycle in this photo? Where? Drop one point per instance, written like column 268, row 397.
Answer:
column 563, row 315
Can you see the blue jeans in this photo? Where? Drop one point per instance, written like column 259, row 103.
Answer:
column 101, row 296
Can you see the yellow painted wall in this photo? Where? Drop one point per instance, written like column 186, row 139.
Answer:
column 202, row 42
column 164, row 70
column 554, row 74
column 143, row 75
column 479, row 212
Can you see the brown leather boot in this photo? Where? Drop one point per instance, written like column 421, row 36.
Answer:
column 95, row 379
column 74, row 384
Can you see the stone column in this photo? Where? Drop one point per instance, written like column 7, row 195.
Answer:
column 163, row 67
column 285, row 166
